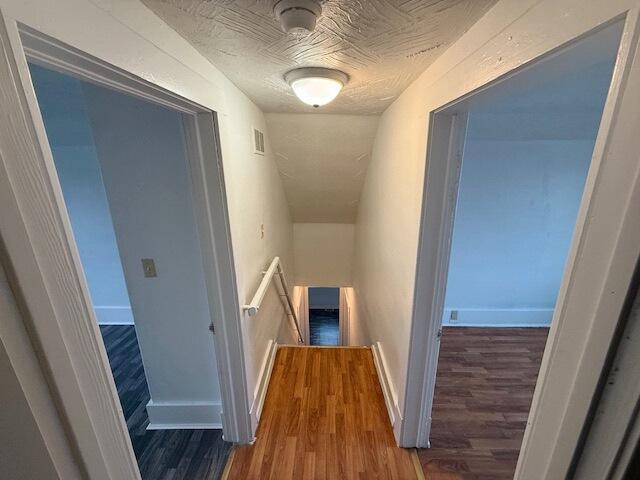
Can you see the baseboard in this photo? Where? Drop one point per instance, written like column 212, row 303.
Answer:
column 113, row 315
column 499, row 317
column 260, row 392
column 184, row 415
column 390, row 396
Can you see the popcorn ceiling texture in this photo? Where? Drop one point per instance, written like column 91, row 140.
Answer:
column 382, row 44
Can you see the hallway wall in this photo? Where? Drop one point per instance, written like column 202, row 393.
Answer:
column 512, row 33
column 323, row 254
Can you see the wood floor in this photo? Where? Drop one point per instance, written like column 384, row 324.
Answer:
column 161, row 454
column 324, row 418
column 484, row 387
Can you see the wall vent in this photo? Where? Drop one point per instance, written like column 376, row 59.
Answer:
column 258, row 141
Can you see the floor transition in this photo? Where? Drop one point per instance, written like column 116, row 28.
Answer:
column 161, row 454
column 324, row 417
column 484, row 387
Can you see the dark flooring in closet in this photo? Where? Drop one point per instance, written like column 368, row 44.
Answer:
column 324, row 327
column 161, row 454
column 484, row 387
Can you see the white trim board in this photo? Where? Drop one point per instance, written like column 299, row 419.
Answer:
column 263, row 384
column 498, row 317
column 114, row 315
column 390, row 396
column 184, row 415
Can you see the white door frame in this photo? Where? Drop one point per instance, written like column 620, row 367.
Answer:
column 41, row 250
column 605, row 246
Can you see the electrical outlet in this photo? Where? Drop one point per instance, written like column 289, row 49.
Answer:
column 149, row 268
column 262, row 230
column 453, row 316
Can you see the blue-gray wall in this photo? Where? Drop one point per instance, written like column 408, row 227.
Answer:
column 517, row 207
column 64, row 111
column 324, row 297
column 527, row 152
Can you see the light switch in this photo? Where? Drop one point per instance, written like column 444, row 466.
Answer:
column 149, row 267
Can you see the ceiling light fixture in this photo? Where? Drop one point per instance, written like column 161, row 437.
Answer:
column 316, row 86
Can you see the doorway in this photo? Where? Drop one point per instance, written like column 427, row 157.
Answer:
column 123, row 169
column 520, row 154
column 324, row 316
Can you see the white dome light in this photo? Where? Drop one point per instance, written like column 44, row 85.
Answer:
column 316, row 86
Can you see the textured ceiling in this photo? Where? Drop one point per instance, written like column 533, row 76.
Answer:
column 382, row 44
column 322, row 160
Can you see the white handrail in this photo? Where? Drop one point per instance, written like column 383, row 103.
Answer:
column 253, row 307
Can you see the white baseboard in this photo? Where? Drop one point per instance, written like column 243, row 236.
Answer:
column 262, row 385
column 114, row 315
column 499, row 317
column 184, row 415
column 390, row 396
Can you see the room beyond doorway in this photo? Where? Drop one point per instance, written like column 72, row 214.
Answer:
column 324, row 316
column 130, row 202
column 518, row 155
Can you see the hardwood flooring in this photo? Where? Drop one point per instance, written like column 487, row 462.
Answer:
column 484, row 387
column 324, row 418
column 161, row 454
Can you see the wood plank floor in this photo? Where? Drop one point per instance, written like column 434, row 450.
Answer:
column 161, row 454
column 484, row 387
column 324, row 418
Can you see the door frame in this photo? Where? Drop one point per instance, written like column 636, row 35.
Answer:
column 41, row 250
column 605, row 245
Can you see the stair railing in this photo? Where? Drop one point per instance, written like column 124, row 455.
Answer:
column 274, row 269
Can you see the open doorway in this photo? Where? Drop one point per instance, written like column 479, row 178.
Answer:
column 520, row 153
column 122, row 165
column 324, row 316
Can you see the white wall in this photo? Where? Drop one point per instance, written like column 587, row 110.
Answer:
column 512, row 33
column 71, row 140
column 129, row 36
column 357, row 333
column 323, row 254
column 517, row 206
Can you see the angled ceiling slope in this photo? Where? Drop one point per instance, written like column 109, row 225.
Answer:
column 322, row 161
column 382, row 44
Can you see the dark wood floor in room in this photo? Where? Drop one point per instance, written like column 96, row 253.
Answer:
column 324, row 327
column 324, row 418
column 161, row 454
column 484, row 387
